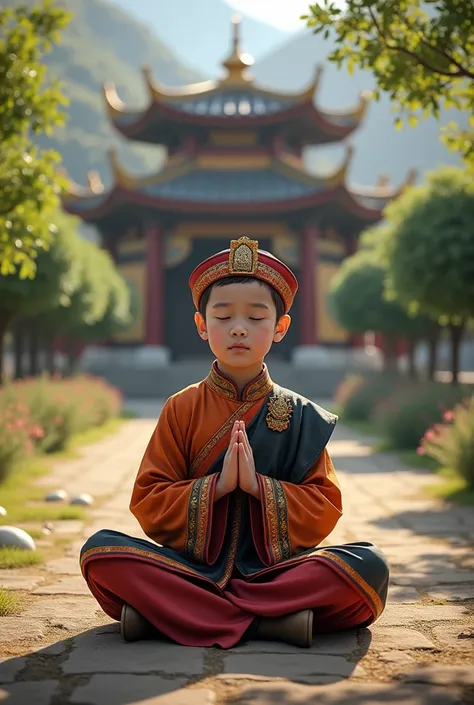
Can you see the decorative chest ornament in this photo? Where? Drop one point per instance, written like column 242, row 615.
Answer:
column 279, row 413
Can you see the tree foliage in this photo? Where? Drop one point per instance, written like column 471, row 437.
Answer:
column 430, row 246
column 29, row 106
column 58, row 276
column 420, row 53
column 99, row 307
column 358, row 300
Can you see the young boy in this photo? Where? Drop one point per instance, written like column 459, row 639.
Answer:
column 236, row 491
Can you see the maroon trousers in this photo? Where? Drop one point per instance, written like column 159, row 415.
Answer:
column 192, row 615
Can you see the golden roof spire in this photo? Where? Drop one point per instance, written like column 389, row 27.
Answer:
column 238, row 61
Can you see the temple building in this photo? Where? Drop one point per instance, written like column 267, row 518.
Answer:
column 234, row 167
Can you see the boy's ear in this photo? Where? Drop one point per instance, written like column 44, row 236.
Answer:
column 281, row 328
column 200, row 325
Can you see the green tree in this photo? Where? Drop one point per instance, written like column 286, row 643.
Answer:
column 359, row 303
column 97, row 309
column 58, row 275
column 429, row 250
column 421, row 54
column 29, row 184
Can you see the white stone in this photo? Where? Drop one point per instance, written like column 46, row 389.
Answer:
column 56, row 496
column 12, row 537
column 3, row 512
column 82, row 499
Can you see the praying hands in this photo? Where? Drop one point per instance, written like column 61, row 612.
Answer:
column 238, row 469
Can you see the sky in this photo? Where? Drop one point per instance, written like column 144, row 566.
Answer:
column 283, row 14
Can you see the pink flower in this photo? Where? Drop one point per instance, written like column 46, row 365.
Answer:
column 37, row 432
column 420, row 451
column 19, row 423
column 429, row 435
column 448, row 416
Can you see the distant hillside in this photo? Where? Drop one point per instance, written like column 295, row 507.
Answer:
column 379, row 146
column 199, row 30
column 103, row 43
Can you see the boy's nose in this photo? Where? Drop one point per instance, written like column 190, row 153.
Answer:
column 238, row 331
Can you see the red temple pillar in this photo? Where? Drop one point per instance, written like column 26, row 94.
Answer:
column 308, row 334
column 155, row 285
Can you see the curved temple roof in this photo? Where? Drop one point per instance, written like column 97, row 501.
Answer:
column 185, row 186
column 232, row 98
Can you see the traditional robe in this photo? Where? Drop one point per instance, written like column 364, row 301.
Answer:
column 212, row 566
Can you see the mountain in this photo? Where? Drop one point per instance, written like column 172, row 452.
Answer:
column 379, row 147
column 104, row 43
column 199, row 30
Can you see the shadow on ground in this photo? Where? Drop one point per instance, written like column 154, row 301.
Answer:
column 98, row 667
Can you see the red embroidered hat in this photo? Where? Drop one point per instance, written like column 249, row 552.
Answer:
column 244, row 259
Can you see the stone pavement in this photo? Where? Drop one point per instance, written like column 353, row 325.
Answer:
column 62, row 649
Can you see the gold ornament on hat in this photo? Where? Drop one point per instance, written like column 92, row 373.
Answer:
column 279, row 413
column 243, row 256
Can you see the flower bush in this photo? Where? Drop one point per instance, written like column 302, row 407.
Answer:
column 42, row 414
column 451, row 443
column 405, row 416
column 15, row 433
column 358, row 395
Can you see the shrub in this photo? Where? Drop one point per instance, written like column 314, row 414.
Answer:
column 96, row 401
column 44, row 413
column 451, row 443
column 51, row 409
column 358, row 395
column 15, row 428
column 405, row 416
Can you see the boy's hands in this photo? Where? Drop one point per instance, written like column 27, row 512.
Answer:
column 247, row 476
column 239, row 466
column 229, row 478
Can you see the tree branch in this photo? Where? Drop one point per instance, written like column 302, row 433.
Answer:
column 441, row 52
column 415, row 57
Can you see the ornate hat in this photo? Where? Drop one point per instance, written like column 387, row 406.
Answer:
column 244, row 259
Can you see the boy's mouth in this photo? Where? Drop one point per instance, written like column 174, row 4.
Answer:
column 239, row 346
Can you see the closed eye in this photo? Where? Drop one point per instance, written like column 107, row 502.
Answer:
column 227, row 318
column 257, row 319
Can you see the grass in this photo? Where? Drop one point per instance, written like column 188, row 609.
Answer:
column 17, row 558
column 452, row 488
column 413, row 460
column 91, row 435
column 9, row 603
column 23, row 499
column 19, row 490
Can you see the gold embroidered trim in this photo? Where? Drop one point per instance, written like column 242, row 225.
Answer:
column 276, row 516
column 211, row 444
column 243, row 256
column 220, row 384
column 259, row 387
column 234, row 539
column 279, row 414
column 198, row 517
column 140, row 552
column 254, row 390
column 357, row 578
column 263, row 272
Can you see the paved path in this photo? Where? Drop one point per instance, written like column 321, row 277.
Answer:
column 63, row 650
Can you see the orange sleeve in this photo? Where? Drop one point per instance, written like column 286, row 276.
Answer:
column 173, row 510
column 289, row 518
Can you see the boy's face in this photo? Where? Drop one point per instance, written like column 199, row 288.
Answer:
column 241, row 324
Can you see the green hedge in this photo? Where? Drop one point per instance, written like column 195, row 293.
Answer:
column 41, row 415
column 357, row 395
